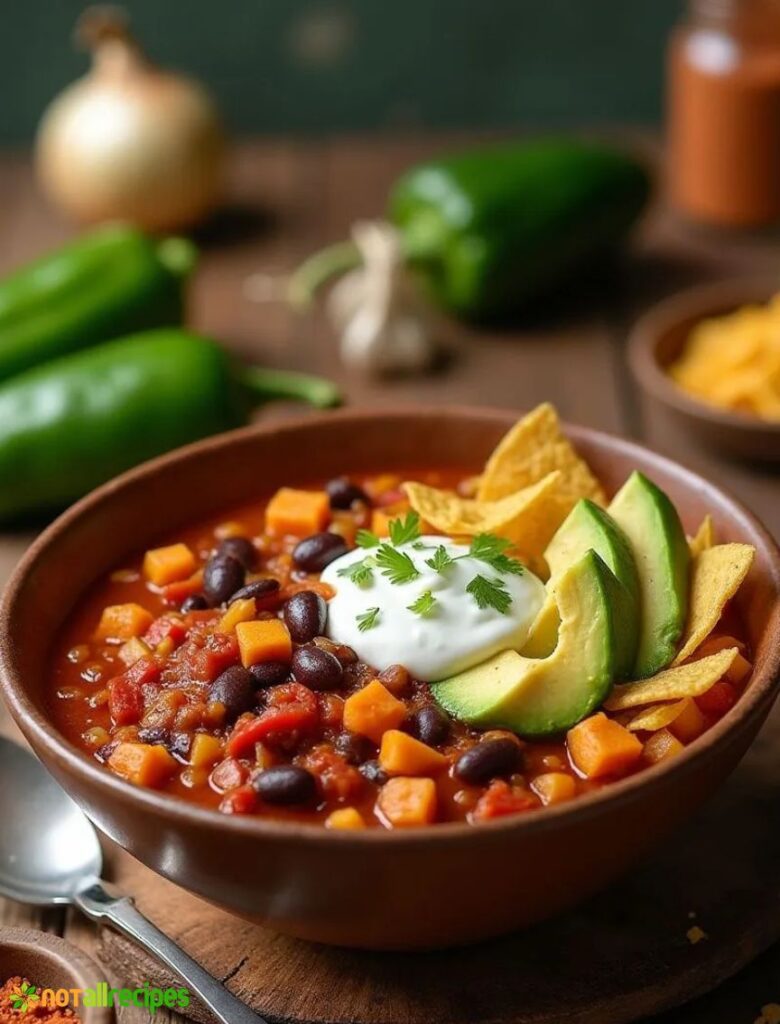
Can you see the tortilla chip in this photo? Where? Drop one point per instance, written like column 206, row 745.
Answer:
column 528, row 517
column 532, row 449
column 703, row 538
column 691, row 680
column 716, row 575
column 656, row 717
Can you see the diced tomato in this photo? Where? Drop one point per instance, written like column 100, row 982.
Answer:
column 163, row 628
column 205, row 657
column 291, row 709
column 501, row 799
column 125, row 701
column 125, row 691
column 239, row 801
column 395, row 496
column 719, row 699
column 228, row 774
column 339, row 780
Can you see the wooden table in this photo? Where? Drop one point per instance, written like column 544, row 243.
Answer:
column 288, row 198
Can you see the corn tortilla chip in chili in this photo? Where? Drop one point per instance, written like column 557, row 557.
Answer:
column 716, row 575
column 533, row 448
column 691, row 680
column 528, row 517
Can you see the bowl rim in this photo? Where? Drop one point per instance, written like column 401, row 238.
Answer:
column 698, row 302
column 74, row 761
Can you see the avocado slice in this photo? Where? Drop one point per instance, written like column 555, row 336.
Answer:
column 589, row 527
column 650, row 521
column 540, row 697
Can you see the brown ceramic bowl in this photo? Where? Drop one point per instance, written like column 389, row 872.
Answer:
column 436, row 886
column 658, row 339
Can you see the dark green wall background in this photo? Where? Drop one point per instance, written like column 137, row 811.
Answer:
column 340, row 65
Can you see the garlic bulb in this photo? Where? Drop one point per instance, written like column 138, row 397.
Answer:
column 129, row 141
column 383, row 325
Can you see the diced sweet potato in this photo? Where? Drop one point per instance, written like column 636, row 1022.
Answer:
column 402, row 754
column 239, row 611
column 299, row 513
column 266, row 640
column 380, row 522
column 404, row 802
column 689, row 723
column 372, row 711
column 740, row 668
column 661, row 746
column 145, row 764
column 205, row 750
column 345, row 818
column 599, row 746
column 123, row 622
column 554, row 787
column 169, row 564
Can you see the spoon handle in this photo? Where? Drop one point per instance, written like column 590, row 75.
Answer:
column 98, row 904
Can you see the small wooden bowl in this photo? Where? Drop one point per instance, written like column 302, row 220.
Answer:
column 50, row 962
column 658, row 339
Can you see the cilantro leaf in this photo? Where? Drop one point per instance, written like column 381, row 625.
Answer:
column 488, row 548
column 490, row 593
column 366, row 539
column 441, row 559
column 367, row 619
column 404, row 530
column 424, row 605
column 359, row 573
column 396, row 565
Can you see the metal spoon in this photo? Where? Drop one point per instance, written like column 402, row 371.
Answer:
column 50, row 854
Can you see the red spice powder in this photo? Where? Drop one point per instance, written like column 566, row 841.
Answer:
column 20, row 989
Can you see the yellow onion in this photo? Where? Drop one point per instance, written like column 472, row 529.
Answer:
column 129, row 141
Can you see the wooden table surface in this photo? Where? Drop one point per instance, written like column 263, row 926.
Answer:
column 288, row 198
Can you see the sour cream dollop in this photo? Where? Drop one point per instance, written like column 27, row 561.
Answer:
column 455, row 636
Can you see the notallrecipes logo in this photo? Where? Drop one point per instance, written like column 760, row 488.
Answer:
column 103, row 995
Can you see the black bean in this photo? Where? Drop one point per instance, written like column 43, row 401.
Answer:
column 222, row 577
column 285, row 784
column 317, row 551
column 429, row 725
column 258, row 589
column 154, row 734
column 194, row 603
column 343, row 493
column 241, row 549
column 354, row 748
column 180, row 744
column 235, row 688
column 305, row 615
column 270, row 673
column 374, row 772
column 315, row 668
column 487, row 760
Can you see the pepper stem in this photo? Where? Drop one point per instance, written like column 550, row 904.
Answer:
column 318, row 269
column 266, row 385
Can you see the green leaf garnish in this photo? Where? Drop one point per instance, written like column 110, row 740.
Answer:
column 360, row 573
column 367, row 620
column 441, row 559
column 490, row 593
column 424, row 605
column 366, row 539
column 402, row 531
column 396, row 565
column 488, row 548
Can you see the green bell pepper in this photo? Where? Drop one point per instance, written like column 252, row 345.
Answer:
column 73, row 423
column 113, row 281
column 491, row 230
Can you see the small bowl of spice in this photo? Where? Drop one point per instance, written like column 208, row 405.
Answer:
column 39, row 974
column 709, row 358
